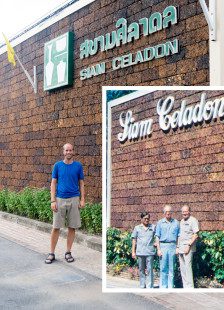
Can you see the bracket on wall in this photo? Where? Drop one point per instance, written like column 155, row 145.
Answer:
column 210, row 15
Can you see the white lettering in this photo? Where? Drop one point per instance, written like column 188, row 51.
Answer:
column 133, row 130
column 93, row 71
column 208, row 111
column 184, row 117
column 188, row 115
column 116, row 63
column 163, row 108
column 221, row 109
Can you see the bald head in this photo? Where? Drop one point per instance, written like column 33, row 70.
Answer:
column 68, row 152
column 186, row 212
column 167, row 210
column 186, row 208
column 67, row 145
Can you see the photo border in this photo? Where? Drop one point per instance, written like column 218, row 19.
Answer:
column 106, row 114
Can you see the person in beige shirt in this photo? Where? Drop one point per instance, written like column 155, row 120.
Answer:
column 188, row 235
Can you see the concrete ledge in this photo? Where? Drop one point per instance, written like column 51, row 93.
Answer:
column 92, row 241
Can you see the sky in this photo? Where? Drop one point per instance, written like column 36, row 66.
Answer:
column 15, row 15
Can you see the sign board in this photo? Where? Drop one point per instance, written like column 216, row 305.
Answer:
column 125, row 33
column 58, row 62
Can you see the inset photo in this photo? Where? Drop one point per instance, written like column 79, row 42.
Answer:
column 163, row 186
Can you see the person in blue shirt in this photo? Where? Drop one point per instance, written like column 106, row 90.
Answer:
column 167, row 231
column 143, row 248
column 67, row 196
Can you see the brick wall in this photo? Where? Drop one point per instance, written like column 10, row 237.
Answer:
column 179, row 167
column 33, row 128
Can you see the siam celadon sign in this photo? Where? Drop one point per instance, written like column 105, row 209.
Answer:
column 125, row 34
column 204, row 111
column 58, row 62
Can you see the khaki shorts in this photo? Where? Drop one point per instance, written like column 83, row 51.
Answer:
column 67, row 208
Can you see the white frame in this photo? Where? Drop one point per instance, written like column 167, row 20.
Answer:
column 106, row 187
column 109, row 107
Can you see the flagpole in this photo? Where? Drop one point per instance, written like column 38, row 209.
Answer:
column 33, row 82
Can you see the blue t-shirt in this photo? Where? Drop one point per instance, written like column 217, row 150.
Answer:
column 68, row 176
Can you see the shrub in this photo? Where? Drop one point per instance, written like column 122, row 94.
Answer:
column 42, row 202
column 35, row 204
column 213, row 253
column 119, row 248
column 12, row 203
column 26, row 207
column 200, row 264
column 91, row 217
column 208, row 260
column 3, row 198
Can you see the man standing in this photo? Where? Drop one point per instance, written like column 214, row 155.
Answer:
column 143, row 248
column 67, row 196
column 167, row 231
column 189, row 229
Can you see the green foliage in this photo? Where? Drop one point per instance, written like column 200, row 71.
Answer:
column 12, row 202
column 213, row 253
column 35, row 204
column 42, row 199
column 200, row 264
column 91, row 217
column 114, row 94
column 26, row 206
column 208, row 260
column 3, row 198
column 119, row 248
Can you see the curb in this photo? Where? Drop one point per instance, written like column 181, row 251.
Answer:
column 94, row 242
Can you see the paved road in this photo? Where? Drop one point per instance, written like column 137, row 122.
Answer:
column 27, row 283
column 26, row 280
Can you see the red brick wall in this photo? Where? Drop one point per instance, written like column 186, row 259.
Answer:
column 34, row 127
column 178, row 167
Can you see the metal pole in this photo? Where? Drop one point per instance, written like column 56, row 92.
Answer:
column 216, row 48
column 210, row 16
column 35, row 79
column 206, row 13
column 33, row 83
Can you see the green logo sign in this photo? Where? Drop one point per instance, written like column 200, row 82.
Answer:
column 58, row 62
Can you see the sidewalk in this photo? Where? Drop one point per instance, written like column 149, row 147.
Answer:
column 89, row 260
column 177, row 301
column 35, row 236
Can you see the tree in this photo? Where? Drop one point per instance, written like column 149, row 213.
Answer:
column 114, row 94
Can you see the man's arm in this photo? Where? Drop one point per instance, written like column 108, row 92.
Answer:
column 177, row 248
column 159, row 252
column 191, row 242
column 195, row 228
column 178, row 240
column 82, row 193
column 133, row 248
column 158, row 235
column 53, row 195
column 193, row 239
